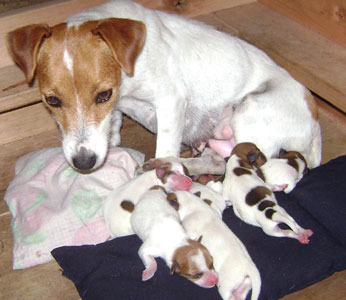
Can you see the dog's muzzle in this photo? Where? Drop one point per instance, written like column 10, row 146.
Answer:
column 84, row 160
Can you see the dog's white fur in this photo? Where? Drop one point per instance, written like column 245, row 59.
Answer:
column 211, row 194
column 116, row 217
column 261, row 209
column 279, row 172
column 186, row 77
column 237, row 272
column 158, row 225
column 186, row 64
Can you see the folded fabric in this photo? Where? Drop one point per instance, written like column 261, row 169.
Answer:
column 53, row 205
column 112, row 270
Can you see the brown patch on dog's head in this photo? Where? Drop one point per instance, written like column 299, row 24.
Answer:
column 173, row 200
column 127, row 205
column 292, row 157
column 310, row 101
column 241, row 171
column 184, row 265
column 249, row 155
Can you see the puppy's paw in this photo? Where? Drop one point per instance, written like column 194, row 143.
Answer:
column 149, row 272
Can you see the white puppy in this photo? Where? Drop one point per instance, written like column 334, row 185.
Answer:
column 252, row 199
column 210, row 194
column 236, row 270
column 120, row 202
column 285, row 172
column 158, row 225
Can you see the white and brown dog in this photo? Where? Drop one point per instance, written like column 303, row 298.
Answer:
column 179, row 78
column 237, row 272
column 285, row 172
column 252, row 199
column 158, row 225
column 120, row 203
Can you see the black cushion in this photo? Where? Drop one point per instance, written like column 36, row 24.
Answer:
column 112, row 270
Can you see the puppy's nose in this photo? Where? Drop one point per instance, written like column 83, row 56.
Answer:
column 84, row 159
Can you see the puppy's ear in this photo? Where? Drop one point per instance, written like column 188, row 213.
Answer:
column 175, row 268
column 23, row 44
column 160, row 172
column 251, row 157
column 198, row 194
column 173, row 201
column 125, row 38
column 200, row 239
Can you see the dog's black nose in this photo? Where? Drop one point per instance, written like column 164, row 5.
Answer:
column 84, row 160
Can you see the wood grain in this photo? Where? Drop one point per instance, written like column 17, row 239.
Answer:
column 312, row 59
column 327, row 17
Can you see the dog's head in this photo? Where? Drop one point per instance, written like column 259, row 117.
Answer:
column 195, row 263
column 250, row 156
column 78, row 69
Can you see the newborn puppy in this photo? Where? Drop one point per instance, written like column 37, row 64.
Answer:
column 236, row 270
column 211, row 193
column 252, row 199
column 120, row 202
column 157, row 224
column 285, row 172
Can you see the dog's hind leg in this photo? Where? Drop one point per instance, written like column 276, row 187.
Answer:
column 314, row 157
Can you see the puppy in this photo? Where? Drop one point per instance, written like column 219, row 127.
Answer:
column 285, row 172
column 211, row 194
column 236, row 270
column 182, row 79
column 252, row 199
column 157, row 224
column 120, row 203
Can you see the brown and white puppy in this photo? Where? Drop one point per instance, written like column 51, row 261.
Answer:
column 252, row 199
column 211, row 193
column 285, row 172
column 120, row 202
column 158, row 225
column 182, row 79
column 237, row 272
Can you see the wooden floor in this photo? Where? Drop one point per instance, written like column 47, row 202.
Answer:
column 46, row 282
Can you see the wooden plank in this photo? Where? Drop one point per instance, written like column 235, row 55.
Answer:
column 9, row 153
column 37, row 283
column 312, row 59
column 19, row 96
column 22, row 123
column 192, row 8
column 327, row 17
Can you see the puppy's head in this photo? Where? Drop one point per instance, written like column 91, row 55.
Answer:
column 78, row 69
column 297, row 161
column 250, row 156
column 195, row 263
column 173, row 176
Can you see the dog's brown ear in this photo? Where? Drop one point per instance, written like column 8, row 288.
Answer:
column 175, row 268
column 125, row 38
column 23, row 45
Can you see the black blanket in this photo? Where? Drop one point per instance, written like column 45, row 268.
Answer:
column 112, row 270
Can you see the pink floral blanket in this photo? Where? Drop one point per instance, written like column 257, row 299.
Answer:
column 53, row 205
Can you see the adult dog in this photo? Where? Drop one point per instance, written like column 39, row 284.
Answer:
column 179, row 78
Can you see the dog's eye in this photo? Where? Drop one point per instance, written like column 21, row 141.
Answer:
column 53, row 101
column 104, row 96
column 197, row 276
